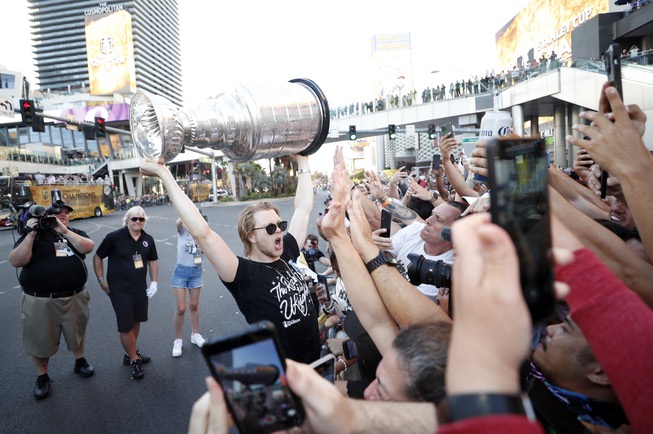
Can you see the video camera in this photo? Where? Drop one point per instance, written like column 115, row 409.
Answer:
column 46, row 217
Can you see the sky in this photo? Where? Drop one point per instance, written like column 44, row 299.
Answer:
column 257, row 43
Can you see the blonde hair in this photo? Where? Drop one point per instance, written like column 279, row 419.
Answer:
column 246, row 222
column 131, row 211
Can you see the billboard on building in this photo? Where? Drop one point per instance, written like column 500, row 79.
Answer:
column 110, row 52
column 543, row 27
column 391, row 57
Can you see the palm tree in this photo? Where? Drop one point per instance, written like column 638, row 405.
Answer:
column 279, row 179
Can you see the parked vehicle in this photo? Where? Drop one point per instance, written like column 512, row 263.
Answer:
column 220, row 194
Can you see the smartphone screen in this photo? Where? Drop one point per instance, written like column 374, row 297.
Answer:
column 349, row 349
column 324, row 287
column 250, row 368
column 437, row 161
column 386, row 222
column 519, row 204
column 326, row 367
column 447, row 128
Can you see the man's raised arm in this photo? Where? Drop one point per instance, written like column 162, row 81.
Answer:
column 406, row 304
column 303, row 201
column 216, row 250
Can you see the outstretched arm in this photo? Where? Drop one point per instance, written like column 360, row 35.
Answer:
column 455, row 177
column 216, row 250
column 360, row 287
column 406, row 303
column 580, row 197
column 618, row 147
column 610, row 249
column 303, row 200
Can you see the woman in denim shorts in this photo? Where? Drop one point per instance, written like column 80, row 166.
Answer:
column 187, row 275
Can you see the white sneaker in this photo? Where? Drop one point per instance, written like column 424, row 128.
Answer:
column 176, row 348
column 197, row 339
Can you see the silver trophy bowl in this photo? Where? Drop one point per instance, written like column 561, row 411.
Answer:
column 245, row 124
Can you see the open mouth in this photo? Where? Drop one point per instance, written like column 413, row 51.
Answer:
column 278, row 242
column 615, row 218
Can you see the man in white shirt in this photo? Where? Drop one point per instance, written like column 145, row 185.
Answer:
column 424, row 239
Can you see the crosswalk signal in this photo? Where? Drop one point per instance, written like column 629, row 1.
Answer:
column 392, row 131
column 352, row 132
column 27, row 111
column 100, row 130
column 432, row 131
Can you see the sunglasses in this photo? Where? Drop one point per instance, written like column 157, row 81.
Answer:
column 272, row 227
column 138, row 219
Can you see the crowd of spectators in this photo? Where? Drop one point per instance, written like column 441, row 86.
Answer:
column 461, row 354
column 465, row 87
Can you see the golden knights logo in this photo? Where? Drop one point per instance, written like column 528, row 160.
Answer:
column 106, row 45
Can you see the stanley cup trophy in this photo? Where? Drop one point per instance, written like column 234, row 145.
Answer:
column 246, row 124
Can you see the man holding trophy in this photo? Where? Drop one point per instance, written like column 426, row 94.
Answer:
column 248, row 124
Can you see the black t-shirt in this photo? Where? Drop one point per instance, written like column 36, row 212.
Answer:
column 120, row 247
column 277, row 292
column 312, row 256
column 46, row 272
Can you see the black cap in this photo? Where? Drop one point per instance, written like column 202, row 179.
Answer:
column 65, row 205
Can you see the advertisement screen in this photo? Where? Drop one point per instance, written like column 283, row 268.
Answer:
column 543, row 27
column 391, row 57
column 110, row 53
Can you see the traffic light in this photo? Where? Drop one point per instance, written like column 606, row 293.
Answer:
column 392, row 131
column 100, row 130
column 38, row 125
column 432, row 134
column 219, row 173
column 89, row 132
column 352, row 132
column 27, row 111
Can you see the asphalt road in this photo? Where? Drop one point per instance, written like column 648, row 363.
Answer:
column 110, row 402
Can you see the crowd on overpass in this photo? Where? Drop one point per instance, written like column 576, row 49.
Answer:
column 490, row 83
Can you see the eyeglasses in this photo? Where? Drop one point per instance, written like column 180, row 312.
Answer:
column 272, row 227
column 138, row 219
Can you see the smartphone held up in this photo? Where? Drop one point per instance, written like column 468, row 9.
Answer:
column 612, row 61
column 519, row 204
column 251, row 369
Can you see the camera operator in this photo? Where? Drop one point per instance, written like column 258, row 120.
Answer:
column 54, row 298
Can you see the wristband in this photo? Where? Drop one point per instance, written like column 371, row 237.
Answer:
column 386, row 202
column 340, row 359
column 483, row 404
column 100, row 279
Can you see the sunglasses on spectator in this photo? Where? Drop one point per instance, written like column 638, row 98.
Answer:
column 138, row 219
column 272, row 227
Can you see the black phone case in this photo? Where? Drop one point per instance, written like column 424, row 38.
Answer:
column 534, row 253
column 613, row 71
column 386, row 222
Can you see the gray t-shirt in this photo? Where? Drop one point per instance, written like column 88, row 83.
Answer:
column 187, row 249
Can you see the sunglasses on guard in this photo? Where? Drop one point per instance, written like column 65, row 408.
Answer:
column 272, row 227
